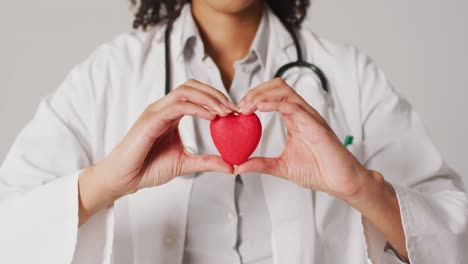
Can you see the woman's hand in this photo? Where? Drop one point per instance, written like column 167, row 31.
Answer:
column 152, row 153
column 313, row 157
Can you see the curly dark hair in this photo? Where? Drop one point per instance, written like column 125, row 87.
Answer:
column 152, row 12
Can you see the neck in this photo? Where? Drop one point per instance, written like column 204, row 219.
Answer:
column 227, row 36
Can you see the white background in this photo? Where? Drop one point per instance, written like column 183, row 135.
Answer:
column 421, row 44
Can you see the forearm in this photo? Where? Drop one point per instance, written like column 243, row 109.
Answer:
column 93, row 194
column 378, row 203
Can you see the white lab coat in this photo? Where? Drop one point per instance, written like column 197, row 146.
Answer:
column 101, row 98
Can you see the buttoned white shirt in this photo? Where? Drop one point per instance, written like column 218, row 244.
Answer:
column 229, row 213
column 101, row 98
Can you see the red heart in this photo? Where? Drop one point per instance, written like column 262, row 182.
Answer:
column 236, row 136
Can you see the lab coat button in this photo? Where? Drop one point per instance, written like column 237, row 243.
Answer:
column 230, row 217
column 169, row 240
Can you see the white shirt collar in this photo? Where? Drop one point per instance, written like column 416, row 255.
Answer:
column 191, row 42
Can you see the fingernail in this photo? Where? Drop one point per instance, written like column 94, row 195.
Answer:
column 209, row 109
column 244, row 109
column 225, row 109
column 233, row 106
column 241, row 107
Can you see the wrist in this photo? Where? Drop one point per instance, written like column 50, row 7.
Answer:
column 94, row 195
column 378, row 204
column 373, row 189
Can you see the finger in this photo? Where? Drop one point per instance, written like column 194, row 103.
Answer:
column 213, row 92
column 290, row 108
column 276, row 89
column 249, row 106
column 151, row 125
column 156, row 123
column 180, row 109
column 264, row 87
column 203, row 163
column 285, row 108
column 176, row 93
column 190, row 94
column 295, row 116
column 276, row 95
column 271, row 166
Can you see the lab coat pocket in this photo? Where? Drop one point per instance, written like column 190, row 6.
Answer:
column 337, row 122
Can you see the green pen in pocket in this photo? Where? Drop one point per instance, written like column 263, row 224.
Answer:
column 348, row 141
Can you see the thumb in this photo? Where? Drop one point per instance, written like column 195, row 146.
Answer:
column 203, row 163
column 271, row 166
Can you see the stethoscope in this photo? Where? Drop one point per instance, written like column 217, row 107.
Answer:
column 300, row 63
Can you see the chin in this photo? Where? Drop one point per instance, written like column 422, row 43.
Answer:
column 230, row 6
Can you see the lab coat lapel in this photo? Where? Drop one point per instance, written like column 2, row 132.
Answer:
column 279, row 44
column 290, row 206
column 292, row 219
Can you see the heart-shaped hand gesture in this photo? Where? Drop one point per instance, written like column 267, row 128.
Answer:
column 313, row 157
